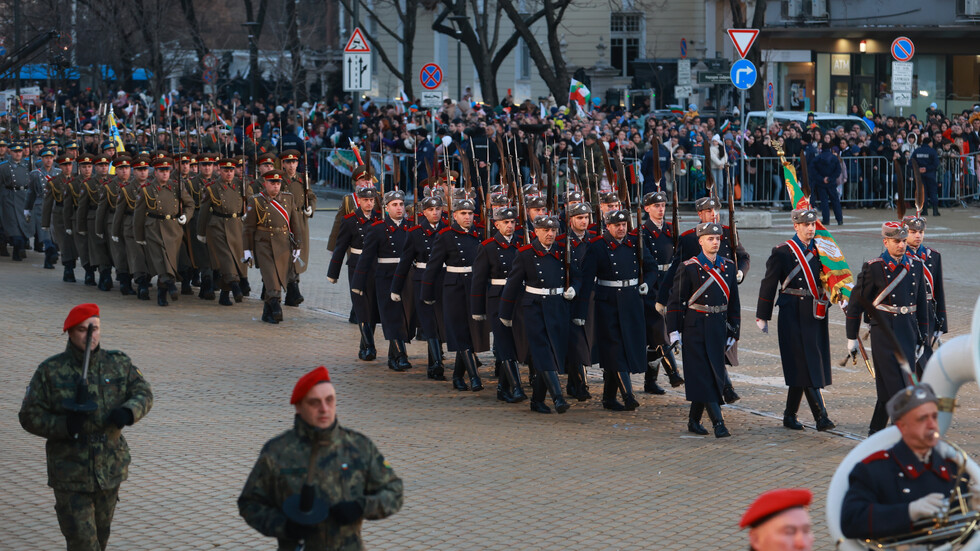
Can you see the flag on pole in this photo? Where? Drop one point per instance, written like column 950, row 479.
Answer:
column 114, row 135
column 578, row 93
column 835, row 273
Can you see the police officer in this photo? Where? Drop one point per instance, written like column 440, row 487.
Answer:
column 268, row 221
column 895, row 286
column 927, row 159
column 123, row 230
column 52, row 217
column 40, row 180
column 825, row 170
column 582, row 351
column 339, row 471
column 932, row 269
column 109, row 201
column 14, row 184
column 703, row 316
column 219, row 226
column 793, row 272
column 82, row 421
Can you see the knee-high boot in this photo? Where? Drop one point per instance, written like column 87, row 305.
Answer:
column 554, row 388
column 459, row 369
column 694, row 419
column 717, row 420
column 469, row 360
column 435, row 369
column 819, row 409
column 793, row 398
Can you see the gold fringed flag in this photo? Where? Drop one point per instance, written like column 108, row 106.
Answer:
column 836, row 275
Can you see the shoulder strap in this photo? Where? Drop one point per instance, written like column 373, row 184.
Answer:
column 802, row 264
column 891, row 286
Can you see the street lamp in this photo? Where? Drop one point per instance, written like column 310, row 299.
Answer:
column 458, row 25
column 253, row 59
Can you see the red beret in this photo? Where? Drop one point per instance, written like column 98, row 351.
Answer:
column 79, row 314
column 308, row 381
column 774, row 502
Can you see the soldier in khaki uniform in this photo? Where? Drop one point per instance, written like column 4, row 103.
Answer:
column 88, row 202
column 158, row 221
column 108, row 204
column 76, row 187
column 219, row 225
column 130, row 195
column 305, row 204
column 87, row 455
column 52, row 217
column 268, row 220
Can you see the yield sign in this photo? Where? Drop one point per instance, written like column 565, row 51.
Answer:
column 743, row 39
column 357, row 43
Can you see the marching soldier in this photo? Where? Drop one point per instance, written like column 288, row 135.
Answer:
column 932, row 269
column 109, row 202
column 360, row 178
column 581, row 338
column 131, row 195
column 40, row 181
column 219, row 226
column 268, row 223
column 793, row 272
column 895, row 286
column 76, row 187
column 305, row 205
column 53, row 219
column 188, row 265
column 88, row 202
column 383, row 245
column 14, row 183
column 158, row 221
column 703, row 316
column 206, row 163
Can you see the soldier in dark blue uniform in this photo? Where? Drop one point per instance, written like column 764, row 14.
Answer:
column 824, row 171
column 539, row 277
column 383, row 246
column 608, row 202
column 895, row 285
column 658, row 243
column 494, row 260
column 414, row 257
column 425, row 154
column 932, row 269
column 793, row 272
column 350, row 242
column 581, row 338
column 452, row 256
column 571, row 199
column 611, row 268
column 703, row 315
column 927, row 159
column 535, row 206
column 914, row 480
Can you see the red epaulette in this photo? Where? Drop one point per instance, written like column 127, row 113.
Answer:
column 413, row 228
column 723, row 227
column 525, row 248
column 444, row 230
column 687, row 232
column 633, row 232
column 596, row 238
column 876, row 456
column 346, row 216
column 488, row 241
column 377, row 222
column 874, row 260
column 692, row 260
column 560, row 237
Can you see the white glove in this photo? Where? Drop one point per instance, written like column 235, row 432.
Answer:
column 308, row 211
column 926, row 507
column 396, row 297
column 661, row 308
column 82, row 233
column 296, row 253
column 675, row 337
column 935, row 335
column 919, row 349
column 507, row 323
column 763, row 325
column 115, row 239
column 100, row 236
column 852, row 346
column 739, row 276
column 182, row 219
column 447, row 141
column 730, row 342
column 332, row 279
column 429, row 302
column 27, row 215
column 477, row 317
column 357, row 291
column 202, row 239
column 247, row 256
column 644, row 288
column 579, row 322
column 67, row 231
column 569, row 293
column 141, row 243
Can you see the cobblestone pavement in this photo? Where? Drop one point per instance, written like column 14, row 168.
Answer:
column 478, row 474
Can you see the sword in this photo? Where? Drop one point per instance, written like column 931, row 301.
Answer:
column 82, row 402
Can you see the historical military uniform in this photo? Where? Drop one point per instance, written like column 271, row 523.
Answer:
column 85, row 223
column 350, row 242
column 361, row 178
column 52, row 217
column 304, row 208
column 201, row 250
column 268, row 223
column 219, row 224
column 76, row 189
column 188, row 259
column 932, row 269
column 123, row 230
column 582, row 351
column 40, row 180
column 87, row 455
column 793, row 272
column 104, row 215
column 14, row 185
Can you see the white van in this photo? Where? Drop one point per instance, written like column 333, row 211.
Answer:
column 825, row 121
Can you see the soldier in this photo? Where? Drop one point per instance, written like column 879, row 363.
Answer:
column 895, row 286
column 158, row 221
column 415, row 257
column 493, row 263
column 219, row 226
column 188, row 265
column 383, row 245
column 538, row 277
column 40, row 181
column 202, row 257
column 452, row 257
column 703, row 316
column 87, row 455
column 53, row 220
column 267, row 232
column 581, row 338
column 928, row 161
column 779, row 520
column 658, row 243
column 14, row 185
column 76, row 187
column 305, row 205
column 122, row 231
column 350, row 242
column 88, row 202
column 360, row 178
column 793, row 271
column 932, row 269
column 340, row 472
column 109, row 202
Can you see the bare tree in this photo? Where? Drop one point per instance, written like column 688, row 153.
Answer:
column 258, row 20
column 295, row 48
column 187, row 7
column 755, row 55
column 404, row 38
column 551, row 66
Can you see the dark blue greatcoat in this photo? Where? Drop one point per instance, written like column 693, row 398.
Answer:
column 494, row 261
column 581, row 338
column 687, row 247
column 383, row 246
column 932, row 269
column 414, row 258
column 350, row 242
column 658, row 244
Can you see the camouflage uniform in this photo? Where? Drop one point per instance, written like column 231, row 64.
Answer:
column 350, row 468
column 85, row 472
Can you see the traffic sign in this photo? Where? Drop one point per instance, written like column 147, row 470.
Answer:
column 432, row 99
column 683, row 72
column 357, row 43
column 210, row 61
column 683, row 91
column 902, row 76
column 743, row 39
column 209, row 76
column 712, row 78
column 770, row 96
column 430, row 76
column 357, row 72
column 743, row 74
column 683, row 48
column 903, row 49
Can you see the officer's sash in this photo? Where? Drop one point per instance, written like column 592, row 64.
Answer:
column 891, row 286
column 285, row 214
column 714, row 277
column 819, row 304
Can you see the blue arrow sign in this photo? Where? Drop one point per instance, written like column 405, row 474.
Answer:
column 743, row 74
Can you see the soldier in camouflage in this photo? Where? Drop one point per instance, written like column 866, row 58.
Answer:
column 87, row 455
column 351, row 477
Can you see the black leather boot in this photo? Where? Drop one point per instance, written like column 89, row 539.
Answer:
column 539, row 391
column 19, row 253
column 363, row 349
column 126, row 285
column 435, row 370
column 554, row 388
column 610, row 390
column 236, row 291
column 669, row 363
column 513, row 374
column 143, row 287
column 3, row 246
column 401, row 360
column 185, row 282
column 793, row 397
column 717, row 420
column 223, row 299
column 246, row 288
column 39, row 245
column 583, row 384
column 626, row 388
column 162, row 296
column 293, row 296
column 69, row 275
column 172, row 289
column 459, row 370
column 50, row 257
column 89, row 274
column 277, row 315
column 819, row 409
column 267, row 313
column 503, row 382
column 650, row 385
column 196, row 278
column 469, row 360
column 694, row 419
column 207, row 288
column 368, row 351
column 105, row 279
column 729, row 394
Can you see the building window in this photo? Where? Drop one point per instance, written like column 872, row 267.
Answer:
column 524, row 70
column 626, row 41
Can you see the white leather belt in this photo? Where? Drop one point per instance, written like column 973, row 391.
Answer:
column 498, row 282
column 897, row 309
column 459, row 269
column 420, row 265
column 663, row 267
column 618, row 282
column 544, row 292
column 388, row 260
column 709, row 309
column 352, row 250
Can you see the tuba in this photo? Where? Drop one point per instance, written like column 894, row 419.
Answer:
column 955, row 363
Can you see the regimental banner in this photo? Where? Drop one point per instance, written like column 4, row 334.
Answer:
column 345, row 162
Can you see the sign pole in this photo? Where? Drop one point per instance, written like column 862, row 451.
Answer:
column 741, row 168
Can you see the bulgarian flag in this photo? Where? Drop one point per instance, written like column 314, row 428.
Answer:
column 676, row 111
column 578, row 93
column 835, row 274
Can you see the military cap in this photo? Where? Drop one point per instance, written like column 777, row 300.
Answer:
column 804, row 216
column 608, row 197
column 122, row 162
column 289, row 155
column 464, row 204
column 546, row 222
column 71, row 145
column 531, row 189
column 108, row 145
column 103, row 160
column 240, row 160
column 3, row 143
column 185, row 157
column 141, row 162
column 47, row 153
column 773, row 502
column 37, row 141
column 362, row 173
column 432, row 202
column 63, row 160
column 364, row 192
column 85, row 159
column 535, row 202
column 163, row 163
column 394, row 195
column 206, row 158
column 307, row 382
column 51, row 143
column 579, row 209
column 16, row 146
column 916, row 223
column 894, row 230
column 499, row 199
column 272, row 175
column 497, row 188
column 707, row 203
column 462, row 193
column 654, row 197
column 450, row 176
column 909, row 398
column 79, row 314
column 616, row 216
column 574, row 197
column 504, row 213
column 267, row 159
column 193, row 160
column 708, row 228
column 226, row 163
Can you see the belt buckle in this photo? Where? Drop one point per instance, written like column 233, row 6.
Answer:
column 904, row 309
column 167, row 217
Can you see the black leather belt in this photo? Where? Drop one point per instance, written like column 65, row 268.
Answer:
column 223, row 215
column 160, row 216
column 17, row 188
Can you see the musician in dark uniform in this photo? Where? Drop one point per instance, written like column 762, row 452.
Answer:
column 912, row 481
column 932, row 269
column 703, row 315
column 350, row 242
column 453, row 255
column 538, row 281
column 581, row 338
column 658, row 243
column 793, row 273
column 494, row 260
column 383, row 245
column 611, row 268
column 895, row 285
